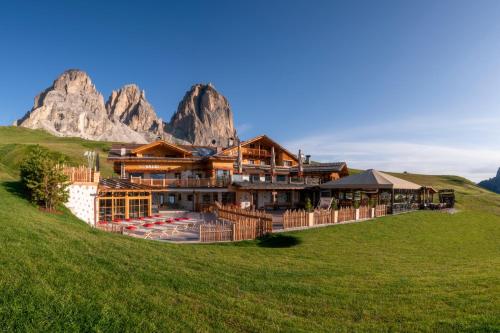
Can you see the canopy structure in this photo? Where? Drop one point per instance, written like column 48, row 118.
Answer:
column 371, row 180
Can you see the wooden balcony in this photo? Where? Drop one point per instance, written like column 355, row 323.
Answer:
column 255, row 152
column 183, row 183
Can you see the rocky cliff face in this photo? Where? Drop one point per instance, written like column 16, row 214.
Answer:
column 492, row 184
column 130, row 107
column 203, row 117
column 72, row 106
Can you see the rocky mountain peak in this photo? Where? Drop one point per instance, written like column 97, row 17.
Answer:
column 492, row 184
column 204, row 117
column 73, row 106
column 129, row 106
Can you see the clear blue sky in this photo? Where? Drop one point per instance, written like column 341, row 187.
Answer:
column 395, row 85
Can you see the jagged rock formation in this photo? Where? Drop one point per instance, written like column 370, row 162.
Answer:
column 203, row 117
column 492, row 184
column 130, row 107
column 72, row 106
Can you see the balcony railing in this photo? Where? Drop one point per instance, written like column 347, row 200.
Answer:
column 256, row 152
column 183, row 183
column 290, row 180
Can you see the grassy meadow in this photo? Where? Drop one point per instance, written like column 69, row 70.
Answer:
column 422, row 271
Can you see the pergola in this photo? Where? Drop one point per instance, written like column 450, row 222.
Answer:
column 400, row 194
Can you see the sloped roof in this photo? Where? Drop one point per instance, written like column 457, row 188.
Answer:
column 322, row 167
column 257, row 138
column 161, row 143
column 371, row 179
column 196, row 151
column 121, row 184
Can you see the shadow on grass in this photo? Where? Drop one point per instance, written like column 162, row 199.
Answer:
column 14, row 187
column 278, row 240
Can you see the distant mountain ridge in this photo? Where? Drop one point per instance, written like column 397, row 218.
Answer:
column 73, row 106
column 492, row 184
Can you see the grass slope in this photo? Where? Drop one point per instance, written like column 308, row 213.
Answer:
column 424, row 271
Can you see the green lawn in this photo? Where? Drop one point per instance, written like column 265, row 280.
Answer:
column 424, row 271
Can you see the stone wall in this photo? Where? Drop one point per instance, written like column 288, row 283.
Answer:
column 81, row 201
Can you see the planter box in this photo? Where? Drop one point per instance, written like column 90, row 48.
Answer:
column 310, row 219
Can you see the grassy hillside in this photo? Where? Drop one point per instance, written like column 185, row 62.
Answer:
column 424, row 271
column 15, row 142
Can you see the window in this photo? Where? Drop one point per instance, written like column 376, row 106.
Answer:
column 119, row 208
column 190, row 197
column 262, row 162
column 105, row 213
column 138, row 208
column 228, row 198
column 281, row 178
column 136, row 175
column 251, row 162
column 171, row 199
column 287, row 163
column 157, row 176
column 206, row 198
column 268, row 178
column 222, row 174
column 177, row 175
column 255, row 178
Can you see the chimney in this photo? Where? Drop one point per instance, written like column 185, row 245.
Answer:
column 308, row 159
column 123, row 151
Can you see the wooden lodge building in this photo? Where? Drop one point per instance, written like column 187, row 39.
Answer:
column 257, row 173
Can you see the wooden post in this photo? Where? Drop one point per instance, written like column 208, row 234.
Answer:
column 127, row 205
column 150, row 206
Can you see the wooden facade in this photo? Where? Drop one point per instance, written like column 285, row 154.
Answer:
column 258, row 173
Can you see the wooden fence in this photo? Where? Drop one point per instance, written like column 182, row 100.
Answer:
column 218, row 231
column 80, row 174
column 324, row 216
column 295, row 219
column 347, row 214
column 110, row 227
column 381, row 210
column 237, row 224
column 364, row 212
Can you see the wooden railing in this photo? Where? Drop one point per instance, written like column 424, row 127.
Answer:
column 183, row 182
column 245, row 224
column 256, row 152
column 81, row 174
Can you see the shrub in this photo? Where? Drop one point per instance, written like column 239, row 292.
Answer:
column 43, row 179
column 308, row 206
column 334, row 204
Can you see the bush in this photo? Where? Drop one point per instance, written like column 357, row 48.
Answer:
column 43, row 179
column 308, row 206
column 334, row 204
